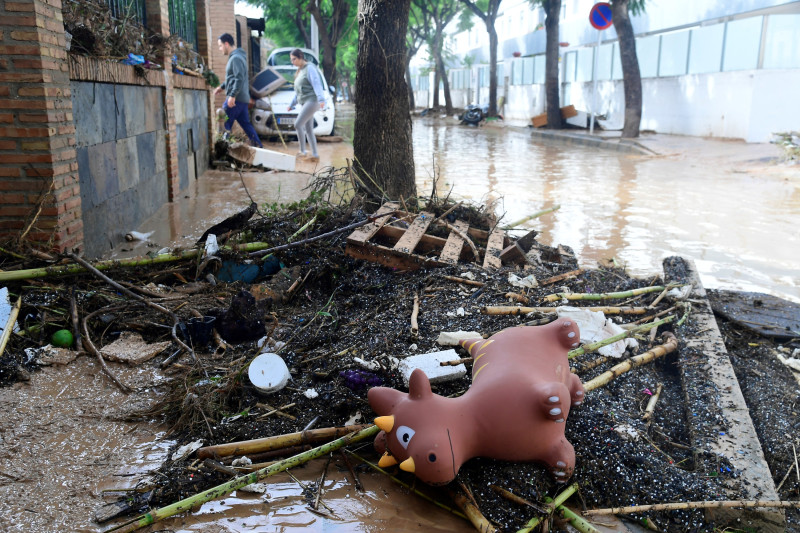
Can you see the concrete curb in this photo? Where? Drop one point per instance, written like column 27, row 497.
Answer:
column 626, row 146
column 720, row 420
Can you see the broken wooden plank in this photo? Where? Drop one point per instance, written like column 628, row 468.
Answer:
column 513, row 254
column 566, row 112
column 493, row 249
column 451, row 251
column 414, row 233
column 767, row 315
column 365, row 233
column 389, row 257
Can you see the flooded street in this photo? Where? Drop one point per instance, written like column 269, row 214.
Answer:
column 723, row 204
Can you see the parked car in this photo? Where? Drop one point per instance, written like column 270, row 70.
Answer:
column 270, row 115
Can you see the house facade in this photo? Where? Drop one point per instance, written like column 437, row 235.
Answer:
column 719, row 69
column 91, row 147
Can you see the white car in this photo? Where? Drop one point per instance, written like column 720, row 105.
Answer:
column 270, row 115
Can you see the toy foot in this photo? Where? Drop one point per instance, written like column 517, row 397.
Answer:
column 554, row 401
column 561, row 461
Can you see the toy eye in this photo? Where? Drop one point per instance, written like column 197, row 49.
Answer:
column 404, row 434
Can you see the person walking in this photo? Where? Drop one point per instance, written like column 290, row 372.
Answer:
column 310, row 95
column 237, row 89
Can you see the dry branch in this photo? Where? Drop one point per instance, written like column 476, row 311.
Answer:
column 276, row 442
column 465, row 281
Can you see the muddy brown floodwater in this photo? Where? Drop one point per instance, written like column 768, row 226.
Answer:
column 727, row 205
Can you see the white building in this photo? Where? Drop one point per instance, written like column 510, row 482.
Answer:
column 723, row 69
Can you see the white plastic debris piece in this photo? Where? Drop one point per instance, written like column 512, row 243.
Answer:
column 211, row 244
column 53, row 355
column 186, row 450
column 137, row 236
column 354, row 418
column 256, row 488
column 268, row 373
column 791, row 362
column 391, row 362
column 429, row 363
column 627, row 432
column 528, row 282
column 413, row 348
column 680, row 293
column 242, row 461
column 131, row 348
column 452, row 338
column 468, row 275
column 594, row 327
column 460, row 311
column 310, row 394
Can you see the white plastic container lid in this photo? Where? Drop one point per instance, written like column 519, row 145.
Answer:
column 268, row 373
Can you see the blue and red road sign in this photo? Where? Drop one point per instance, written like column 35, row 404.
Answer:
column 600, row 15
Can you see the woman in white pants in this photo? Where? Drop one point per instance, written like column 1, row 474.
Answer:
column 309, row 94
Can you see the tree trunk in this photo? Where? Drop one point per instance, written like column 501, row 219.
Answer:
column 551, row 85
column 492, row 66
column 436, row 82
column 382, row 143
column 442, row 71
column 631, row 76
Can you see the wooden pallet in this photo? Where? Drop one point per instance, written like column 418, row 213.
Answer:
column 384, row 241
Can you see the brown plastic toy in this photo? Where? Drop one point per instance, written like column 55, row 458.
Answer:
column 515, row 410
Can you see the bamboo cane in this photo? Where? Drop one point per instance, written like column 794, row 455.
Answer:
column 515, row 296
column 606, row 295
column 603, row 379
column 242, row 481
column 514, row 310
column 276, row 442
column 414, row 315
column 651, row 405
column 557, row 501
column 574, row 519
column 722, row 504
column 531, row 217
column 303, row 228
column 561, row 277
column 14, row 275
column 9, row 327
column 465, row 281
column 474, row 514
column 586, row 348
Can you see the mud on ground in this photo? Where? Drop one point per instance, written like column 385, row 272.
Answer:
column 346, row 308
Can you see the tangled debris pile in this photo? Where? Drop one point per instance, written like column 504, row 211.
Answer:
column 342, row 325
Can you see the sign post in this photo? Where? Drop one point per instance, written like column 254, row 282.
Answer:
column 600, row 19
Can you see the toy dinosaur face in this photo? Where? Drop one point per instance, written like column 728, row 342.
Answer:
column 416, row 434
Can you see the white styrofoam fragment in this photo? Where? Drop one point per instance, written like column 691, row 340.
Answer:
column 429, row 363
column 452, row 338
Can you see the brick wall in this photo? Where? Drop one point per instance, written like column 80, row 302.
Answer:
column 39, row 190
column 222, row 21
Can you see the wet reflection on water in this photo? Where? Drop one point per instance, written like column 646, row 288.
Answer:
column 738, row 224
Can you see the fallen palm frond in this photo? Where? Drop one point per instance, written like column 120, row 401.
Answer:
column 603, row 379
column 235, row 484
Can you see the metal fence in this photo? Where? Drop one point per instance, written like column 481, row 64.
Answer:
column 128, row 10
column 183, row 20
